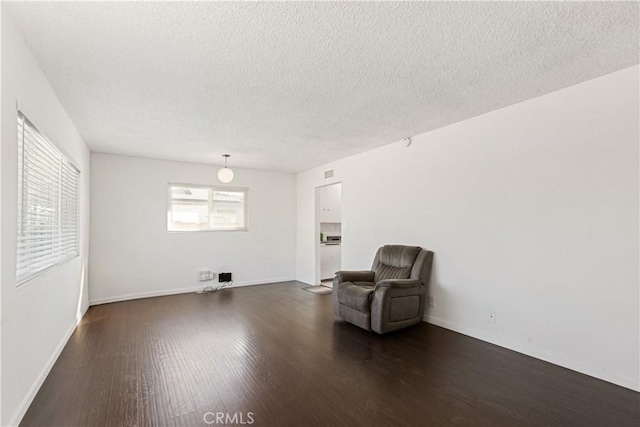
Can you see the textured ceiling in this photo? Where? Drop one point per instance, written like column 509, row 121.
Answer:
column 290, row 86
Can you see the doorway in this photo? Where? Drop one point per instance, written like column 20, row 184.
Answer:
column 328, row 233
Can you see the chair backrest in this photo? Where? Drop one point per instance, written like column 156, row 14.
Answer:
column 402, row 262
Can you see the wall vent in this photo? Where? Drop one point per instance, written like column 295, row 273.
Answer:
column 328, row 174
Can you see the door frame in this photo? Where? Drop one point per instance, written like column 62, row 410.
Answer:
column 316, row 238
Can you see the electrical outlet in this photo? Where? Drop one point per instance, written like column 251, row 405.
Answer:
column 492, row 317
column 205, row 275
column 431, row 301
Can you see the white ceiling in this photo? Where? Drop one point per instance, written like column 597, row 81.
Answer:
column 290, row 86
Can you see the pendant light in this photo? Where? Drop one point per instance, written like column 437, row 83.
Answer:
column 225, row 175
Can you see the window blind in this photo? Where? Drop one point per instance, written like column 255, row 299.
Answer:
column 47, row 203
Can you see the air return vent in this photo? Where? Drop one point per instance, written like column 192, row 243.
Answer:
column 328, row 174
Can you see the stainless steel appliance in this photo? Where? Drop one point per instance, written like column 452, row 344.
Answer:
column 333, row 240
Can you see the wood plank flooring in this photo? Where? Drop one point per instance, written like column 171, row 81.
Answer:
column 275, row 351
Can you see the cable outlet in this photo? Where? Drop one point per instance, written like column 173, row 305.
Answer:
column 492, row 317
column 431, row 302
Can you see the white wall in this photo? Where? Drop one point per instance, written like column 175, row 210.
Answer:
column 532, row 212
column 133, row 255
column 39, row 316
column 1, row 25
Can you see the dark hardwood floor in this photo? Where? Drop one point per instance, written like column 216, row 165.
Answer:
column 274, row 355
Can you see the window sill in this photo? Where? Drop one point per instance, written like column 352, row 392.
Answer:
column 206, row 231
column 44, row 271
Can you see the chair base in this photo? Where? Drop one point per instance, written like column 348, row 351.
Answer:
column 363, row 320
column 351, row 315
column 394, row 326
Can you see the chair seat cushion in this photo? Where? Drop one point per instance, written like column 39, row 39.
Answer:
column 356, row 295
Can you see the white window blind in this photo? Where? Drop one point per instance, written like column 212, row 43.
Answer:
column 47, row 204
column 205, row 208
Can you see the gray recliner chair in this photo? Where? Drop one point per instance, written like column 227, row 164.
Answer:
column 388, row 297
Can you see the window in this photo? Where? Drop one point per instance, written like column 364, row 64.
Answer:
column 47, row 204
column 204, row 208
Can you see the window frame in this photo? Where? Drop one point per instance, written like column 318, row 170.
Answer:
column 212, row 188
column 62, row 256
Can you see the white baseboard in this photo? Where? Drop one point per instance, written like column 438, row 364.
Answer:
column 595, row 371
column 190, row 289
column 35, row 387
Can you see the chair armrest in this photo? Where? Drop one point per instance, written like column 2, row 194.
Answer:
column 397, row 283
column 354, row 276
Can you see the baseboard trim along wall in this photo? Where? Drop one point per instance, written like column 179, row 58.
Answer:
column 35, row 387
column 186, row 290
column 599, row 372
